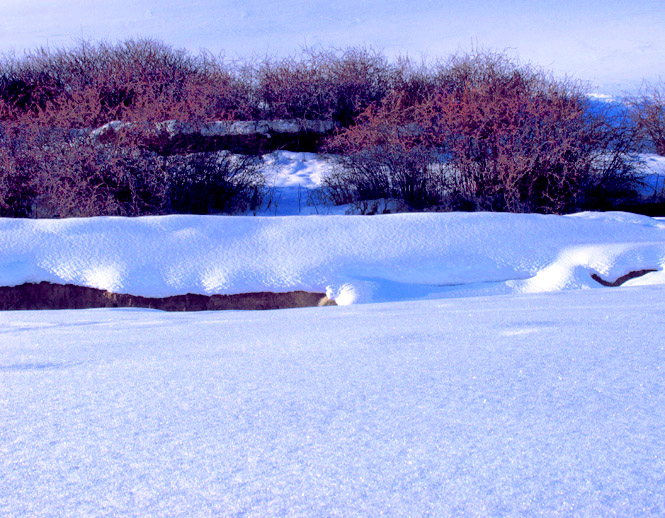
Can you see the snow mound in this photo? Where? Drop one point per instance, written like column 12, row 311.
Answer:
column 352, row 258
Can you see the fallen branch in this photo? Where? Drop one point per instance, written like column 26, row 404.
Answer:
column 622, row 279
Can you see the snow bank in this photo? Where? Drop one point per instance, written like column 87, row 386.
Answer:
column 351, row 258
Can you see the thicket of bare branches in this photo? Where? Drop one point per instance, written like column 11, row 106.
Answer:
column 147, row 81
column 491, row 135
column 47, row 174
column 213, row 183
column 137, row 80
column 648, row 112
column 477, row 132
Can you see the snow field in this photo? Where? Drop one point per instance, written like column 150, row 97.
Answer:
column 439, row 401
column 535, row 403
column 549, row 404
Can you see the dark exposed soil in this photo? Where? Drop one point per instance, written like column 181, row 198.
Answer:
column 247, row 140
column 244, row 144
column 46, row 295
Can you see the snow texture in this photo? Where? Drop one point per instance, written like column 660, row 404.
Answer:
column 351, row 258
column 532, row 405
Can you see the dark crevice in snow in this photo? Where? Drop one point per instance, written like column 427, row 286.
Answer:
column 46, row 295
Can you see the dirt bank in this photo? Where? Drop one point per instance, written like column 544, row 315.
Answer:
column 46, row 295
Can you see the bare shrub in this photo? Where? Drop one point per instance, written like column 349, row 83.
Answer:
column 212, row 183
column 48, row 174
column 648, row 112
column 323, row 84
column 478, row 131
column 91, row 180
column 511, row 137
column 147, row 81
column 18, row 185
column 416, row 178
column 135, row 80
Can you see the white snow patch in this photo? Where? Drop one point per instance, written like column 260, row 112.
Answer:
column 352, row 258
column 289, row 169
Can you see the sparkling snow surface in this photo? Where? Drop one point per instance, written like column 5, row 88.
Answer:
column 532, row 405
column 529, row 404
column 351, row 258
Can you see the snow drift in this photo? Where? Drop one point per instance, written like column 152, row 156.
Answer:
column 350, row 258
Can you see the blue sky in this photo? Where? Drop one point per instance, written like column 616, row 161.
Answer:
column 613, row 44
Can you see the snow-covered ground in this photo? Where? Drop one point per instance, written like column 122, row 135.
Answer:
column 292, row 180
column 530, row 405
column 545, row 398
column 351, row 258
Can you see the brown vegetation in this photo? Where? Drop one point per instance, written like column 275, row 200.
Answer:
column 137, row 80
column 477, row 132
column 648, row 112
column 53, row 163
column 492, row 135
column 48, row 173
column 147, row 81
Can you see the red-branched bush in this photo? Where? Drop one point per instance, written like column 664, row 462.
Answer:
column 479, row 131
column 136, row 80
column 648, row 112
column 322, row 84
column 492, row 135
column 54, row 173
column 51, row 167
column 147, row 81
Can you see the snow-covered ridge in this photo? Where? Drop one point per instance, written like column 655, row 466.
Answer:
column 351, row 258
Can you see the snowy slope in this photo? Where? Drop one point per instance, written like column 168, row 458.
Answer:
column 292, row 180
column 538, row 405
column 352, row 258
